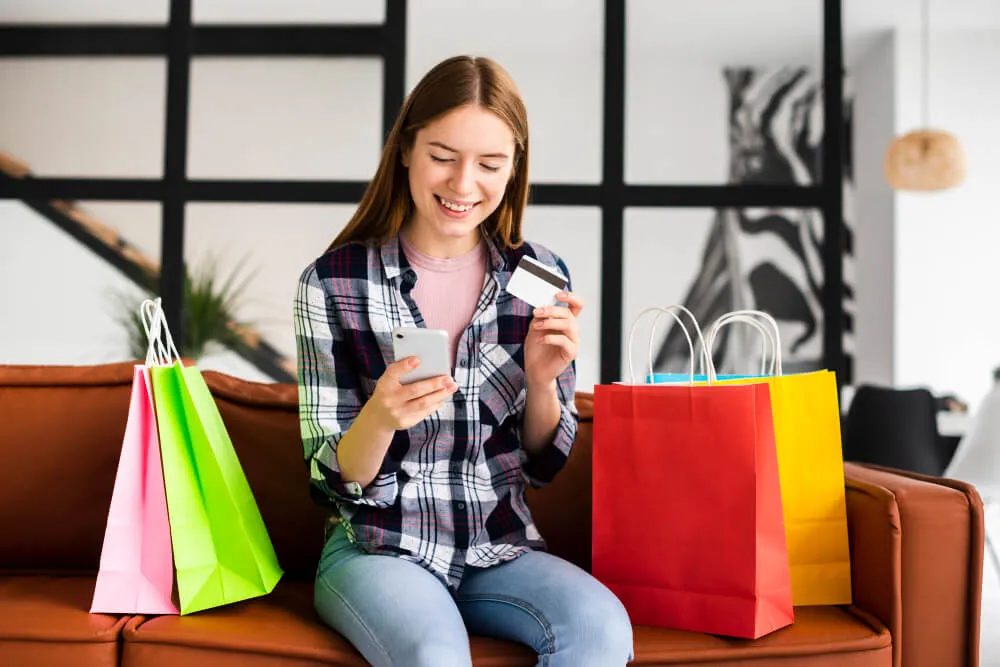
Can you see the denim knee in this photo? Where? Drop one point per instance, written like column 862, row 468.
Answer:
column 603, row 634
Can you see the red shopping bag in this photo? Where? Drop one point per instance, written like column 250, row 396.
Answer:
column 687, row 517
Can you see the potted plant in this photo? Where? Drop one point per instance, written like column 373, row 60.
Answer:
column 211, row 301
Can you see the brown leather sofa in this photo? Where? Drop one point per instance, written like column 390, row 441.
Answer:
column 916, row 544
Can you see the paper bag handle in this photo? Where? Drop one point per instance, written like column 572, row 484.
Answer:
column 767, row 343
column 666, row 310
column 752, row 317
column 154, row 323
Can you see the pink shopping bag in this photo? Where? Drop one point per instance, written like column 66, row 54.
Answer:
column 136, row 573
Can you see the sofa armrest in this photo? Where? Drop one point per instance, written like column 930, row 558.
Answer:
column 917, row 561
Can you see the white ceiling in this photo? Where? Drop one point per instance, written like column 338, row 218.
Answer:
column 728, row 31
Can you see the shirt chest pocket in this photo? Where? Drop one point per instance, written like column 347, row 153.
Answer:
column 501, row 392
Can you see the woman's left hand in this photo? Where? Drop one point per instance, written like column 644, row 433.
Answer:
column 553, row 339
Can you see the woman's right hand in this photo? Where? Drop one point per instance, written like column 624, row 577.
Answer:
column 399, row 406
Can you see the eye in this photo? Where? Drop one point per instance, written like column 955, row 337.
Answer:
column 440, row 159
column 490, row 167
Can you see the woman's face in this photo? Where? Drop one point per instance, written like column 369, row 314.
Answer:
column 459, row 168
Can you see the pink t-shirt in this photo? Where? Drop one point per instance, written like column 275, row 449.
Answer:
column 447, row 290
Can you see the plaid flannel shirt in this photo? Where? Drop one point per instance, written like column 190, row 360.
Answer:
column 450, row 492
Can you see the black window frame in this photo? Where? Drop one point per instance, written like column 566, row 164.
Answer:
column 180, row 40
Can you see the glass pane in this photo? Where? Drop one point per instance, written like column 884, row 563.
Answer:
column 91, row 11
column 716, row 261
column 287, row 11
column 293, row 118
column 574, row 233
column 94, row 117
column 557, row 64
column 268, row 246
column 72, row 315
column 709, row 101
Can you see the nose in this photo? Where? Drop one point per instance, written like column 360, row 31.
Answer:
column 463, row 177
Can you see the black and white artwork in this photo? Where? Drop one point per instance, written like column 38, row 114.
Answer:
column 768, row 259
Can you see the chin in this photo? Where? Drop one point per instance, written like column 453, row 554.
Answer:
column 457, row 228
column 459, row 231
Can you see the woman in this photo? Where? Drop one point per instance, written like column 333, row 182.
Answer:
column 433, row 537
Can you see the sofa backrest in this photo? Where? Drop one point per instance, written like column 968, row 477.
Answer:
column 61, row 430
column 60, row 433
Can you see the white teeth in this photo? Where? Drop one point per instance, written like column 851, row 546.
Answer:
column 458, row 208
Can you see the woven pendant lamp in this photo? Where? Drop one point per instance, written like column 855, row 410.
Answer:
column 925, row 159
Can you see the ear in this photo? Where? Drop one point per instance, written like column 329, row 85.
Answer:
column 404, row 157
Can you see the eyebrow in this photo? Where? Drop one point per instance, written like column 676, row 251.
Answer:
column 501, row 156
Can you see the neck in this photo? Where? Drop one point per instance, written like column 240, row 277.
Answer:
column 441, row 248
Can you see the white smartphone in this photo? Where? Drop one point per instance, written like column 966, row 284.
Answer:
column 429, row 345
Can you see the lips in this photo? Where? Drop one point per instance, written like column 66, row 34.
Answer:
column 455, row 205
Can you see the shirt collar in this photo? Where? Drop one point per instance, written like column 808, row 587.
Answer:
column 393, row 260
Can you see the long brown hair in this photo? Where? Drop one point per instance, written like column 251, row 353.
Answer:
column 455, row 82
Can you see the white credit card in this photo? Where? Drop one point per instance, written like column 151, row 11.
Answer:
column 535, row 283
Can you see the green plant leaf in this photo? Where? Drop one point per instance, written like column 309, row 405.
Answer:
column 211, row 302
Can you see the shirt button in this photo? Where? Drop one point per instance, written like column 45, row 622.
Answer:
column 463, row 363
column 461, row 506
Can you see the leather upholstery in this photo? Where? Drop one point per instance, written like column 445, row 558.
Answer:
column 916, row 547
column 932, row 554
column 44, row 621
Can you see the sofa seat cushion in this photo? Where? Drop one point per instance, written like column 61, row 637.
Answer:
column 44, row 620
column 821, row 636
column 283, row 627
column 280, row 628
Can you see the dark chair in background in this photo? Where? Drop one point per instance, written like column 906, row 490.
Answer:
column 895, row 428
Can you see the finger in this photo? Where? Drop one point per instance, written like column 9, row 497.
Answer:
column 554, row 324
column 553, row 312
column 572, row 300
column 562, row 312
column 396, row 369
column 568, row 327
column 426, row 387
column 562, row 342
column 431, row 402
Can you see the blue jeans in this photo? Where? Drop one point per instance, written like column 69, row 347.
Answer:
column 397, row 614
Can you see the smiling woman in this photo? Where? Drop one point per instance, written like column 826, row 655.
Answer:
column 434, row 538
column 461, row 138
column 458, row 169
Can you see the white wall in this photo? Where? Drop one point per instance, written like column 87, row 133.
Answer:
column 61, row 319
column 285, row 118
column 874, row 275
column 946, row 319
column 89, row 116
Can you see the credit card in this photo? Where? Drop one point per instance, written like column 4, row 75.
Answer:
column 535, row 283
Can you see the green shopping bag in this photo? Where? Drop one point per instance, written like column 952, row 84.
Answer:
column 222, row 552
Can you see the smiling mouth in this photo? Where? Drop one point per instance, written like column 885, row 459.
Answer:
column 456, row 206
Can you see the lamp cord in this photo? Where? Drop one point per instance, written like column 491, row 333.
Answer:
column 925, row 58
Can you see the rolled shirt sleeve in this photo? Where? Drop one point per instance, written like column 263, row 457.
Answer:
column 330, row 397
column 542, row 467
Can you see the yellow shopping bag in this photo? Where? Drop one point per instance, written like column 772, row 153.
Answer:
column 806, row 413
